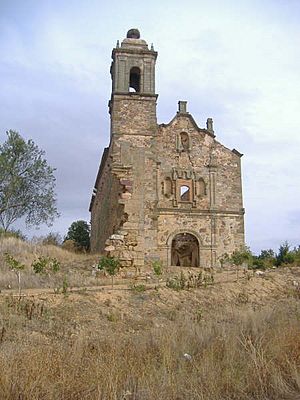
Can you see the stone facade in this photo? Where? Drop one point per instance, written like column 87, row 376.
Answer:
column 168, row 192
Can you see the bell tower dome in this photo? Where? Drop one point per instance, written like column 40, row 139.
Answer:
column 133, row 99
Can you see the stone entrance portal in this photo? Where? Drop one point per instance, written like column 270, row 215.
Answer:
column 185, row 250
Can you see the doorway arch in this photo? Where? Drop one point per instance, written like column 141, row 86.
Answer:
column 184, row 249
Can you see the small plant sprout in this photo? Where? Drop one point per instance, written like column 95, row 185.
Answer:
column 111, row 265
column 65, row 286
column 157, row 269
column 45, row 265
column 15, row 266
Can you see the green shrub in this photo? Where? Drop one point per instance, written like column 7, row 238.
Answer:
column 191, row 281
column 138, row 288
column 177, row 282
column 284, row 256
column 258, row 263
column 45, row 265
column 157, row 268
column 174, row 283
column 239, row 257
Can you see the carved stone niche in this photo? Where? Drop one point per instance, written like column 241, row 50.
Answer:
column 200, row 188
column 185, row 250
column 183, row 142
column 167, row 187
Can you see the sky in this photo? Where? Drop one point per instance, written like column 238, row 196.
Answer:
column 235, row 61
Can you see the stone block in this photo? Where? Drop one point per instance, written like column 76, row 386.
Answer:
column 117, row 237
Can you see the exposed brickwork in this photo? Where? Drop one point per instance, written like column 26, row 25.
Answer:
column 138, row 212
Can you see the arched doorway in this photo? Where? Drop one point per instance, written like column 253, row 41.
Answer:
column 185, row 250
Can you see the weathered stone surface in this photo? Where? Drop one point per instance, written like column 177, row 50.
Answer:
column 109, row 248
column 117, row 237
column 160, row 184
column 126, row 196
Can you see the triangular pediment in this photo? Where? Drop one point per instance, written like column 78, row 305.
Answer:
column 187, row 116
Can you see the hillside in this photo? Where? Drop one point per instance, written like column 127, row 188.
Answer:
column 227, row 339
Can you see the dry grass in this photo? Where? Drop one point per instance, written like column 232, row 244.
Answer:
column 75, row 266
column 57, row 351
column 252, row 355
column 26, row 252
column 243, row 337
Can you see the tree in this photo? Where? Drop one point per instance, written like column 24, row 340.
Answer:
column 111, row 265
column 241, row 256
column 16, row 267
column 79, row 232
column 26, row 183
column 266, row 259
column 284, row 256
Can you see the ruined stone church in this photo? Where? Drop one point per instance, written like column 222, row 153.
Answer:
column 168, row 192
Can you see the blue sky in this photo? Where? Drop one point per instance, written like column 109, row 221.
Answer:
column 235, row 61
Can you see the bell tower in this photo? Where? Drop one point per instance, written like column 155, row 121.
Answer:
column 133, row 101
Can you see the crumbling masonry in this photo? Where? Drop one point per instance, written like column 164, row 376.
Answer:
column 167, row 192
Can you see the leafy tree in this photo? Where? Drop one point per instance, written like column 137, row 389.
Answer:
column 79, row 232
column 284, row 255
column 264, row 254
column 266, row 259
column 238, row 257
column 26, row 183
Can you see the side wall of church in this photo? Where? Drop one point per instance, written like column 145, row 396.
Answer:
column 106, row 211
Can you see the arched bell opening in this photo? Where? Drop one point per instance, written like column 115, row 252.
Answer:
column 135, row 80
column 185, row 250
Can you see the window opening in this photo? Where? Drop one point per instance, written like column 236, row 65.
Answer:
column 184, row 193
column 135, row 80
